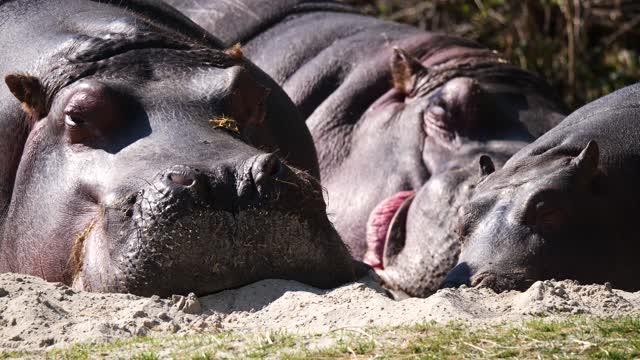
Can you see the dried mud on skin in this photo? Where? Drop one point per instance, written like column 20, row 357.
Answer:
column 37, row 315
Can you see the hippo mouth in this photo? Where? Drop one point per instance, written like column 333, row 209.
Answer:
column 385, row 228
column 206, row 250
column 502, row 282
column 181, row 239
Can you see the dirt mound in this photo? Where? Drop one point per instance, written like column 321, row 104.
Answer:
column 35, row 314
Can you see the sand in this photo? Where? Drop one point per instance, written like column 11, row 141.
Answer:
column 37, row 315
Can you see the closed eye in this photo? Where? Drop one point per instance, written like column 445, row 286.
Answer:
column 72, row 121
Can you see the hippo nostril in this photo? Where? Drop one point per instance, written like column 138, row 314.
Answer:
column 183, row 180
column 265, row 167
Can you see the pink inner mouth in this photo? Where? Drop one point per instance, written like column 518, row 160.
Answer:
column 378, row 227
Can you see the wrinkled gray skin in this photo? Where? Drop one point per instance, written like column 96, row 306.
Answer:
column 386, row 121
column 114, row 179
column 565, row 206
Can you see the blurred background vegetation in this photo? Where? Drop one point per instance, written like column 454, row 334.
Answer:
column 584, row 48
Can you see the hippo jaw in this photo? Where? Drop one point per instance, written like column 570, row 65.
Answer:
column 191, row 246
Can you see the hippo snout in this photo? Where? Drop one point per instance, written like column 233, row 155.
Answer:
column 261, row 178
column 498, row 281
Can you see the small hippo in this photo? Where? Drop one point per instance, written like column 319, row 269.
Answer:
column 137, row 156
column 389, row 107
column 562, row 207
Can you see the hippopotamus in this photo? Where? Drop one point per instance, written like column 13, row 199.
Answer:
column 562, row 207
column 400, row 118
column 140, row 156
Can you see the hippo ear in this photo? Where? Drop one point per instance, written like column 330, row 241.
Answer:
column 486, row 165
column 235, row 52
column 588, row 160
column 29, row 91
column 247, row 103
column 405, row 70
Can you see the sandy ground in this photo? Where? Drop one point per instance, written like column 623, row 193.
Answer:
column 36, row 315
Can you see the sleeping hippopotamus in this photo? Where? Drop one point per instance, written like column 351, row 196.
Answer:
column 389, row 107
column 137, row 156
column 562, row 207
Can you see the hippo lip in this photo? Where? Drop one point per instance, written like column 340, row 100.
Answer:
column 204, row 250
column 380, row 224
column 500, row 283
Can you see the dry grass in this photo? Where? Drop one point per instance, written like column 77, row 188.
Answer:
column 584, row 48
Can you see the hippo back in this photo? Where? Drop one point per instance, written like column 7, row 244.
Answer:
column 334, row 62
column 613, row 121
column 242, row 20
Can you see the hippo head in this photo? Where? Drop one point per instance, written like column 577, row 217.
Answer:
column 445, row 130
column 411, row 236
column 138, row 176
column 416, row 129
column 449, row 112
column 531, row 220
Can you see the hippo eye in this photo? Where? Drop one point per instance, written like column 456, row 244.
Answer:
column 72, row 121
column 549, row 217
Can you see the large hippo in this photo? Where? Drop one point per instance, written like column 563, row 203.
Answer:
column 389, row 107
column 137, row 156
column 565, row 206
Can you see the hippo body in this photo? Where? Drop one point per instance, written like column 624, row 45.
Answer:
column 137, row 156
column 562, row 207
column 389, row 107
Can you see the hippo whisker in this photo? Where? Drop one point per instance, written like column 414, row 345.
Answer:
column 313, row 184
column 288, row 183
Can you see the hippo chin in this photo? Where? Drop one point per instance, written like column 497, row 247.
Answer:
column 562, row 207
column 130, row 157
column 394, row 111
